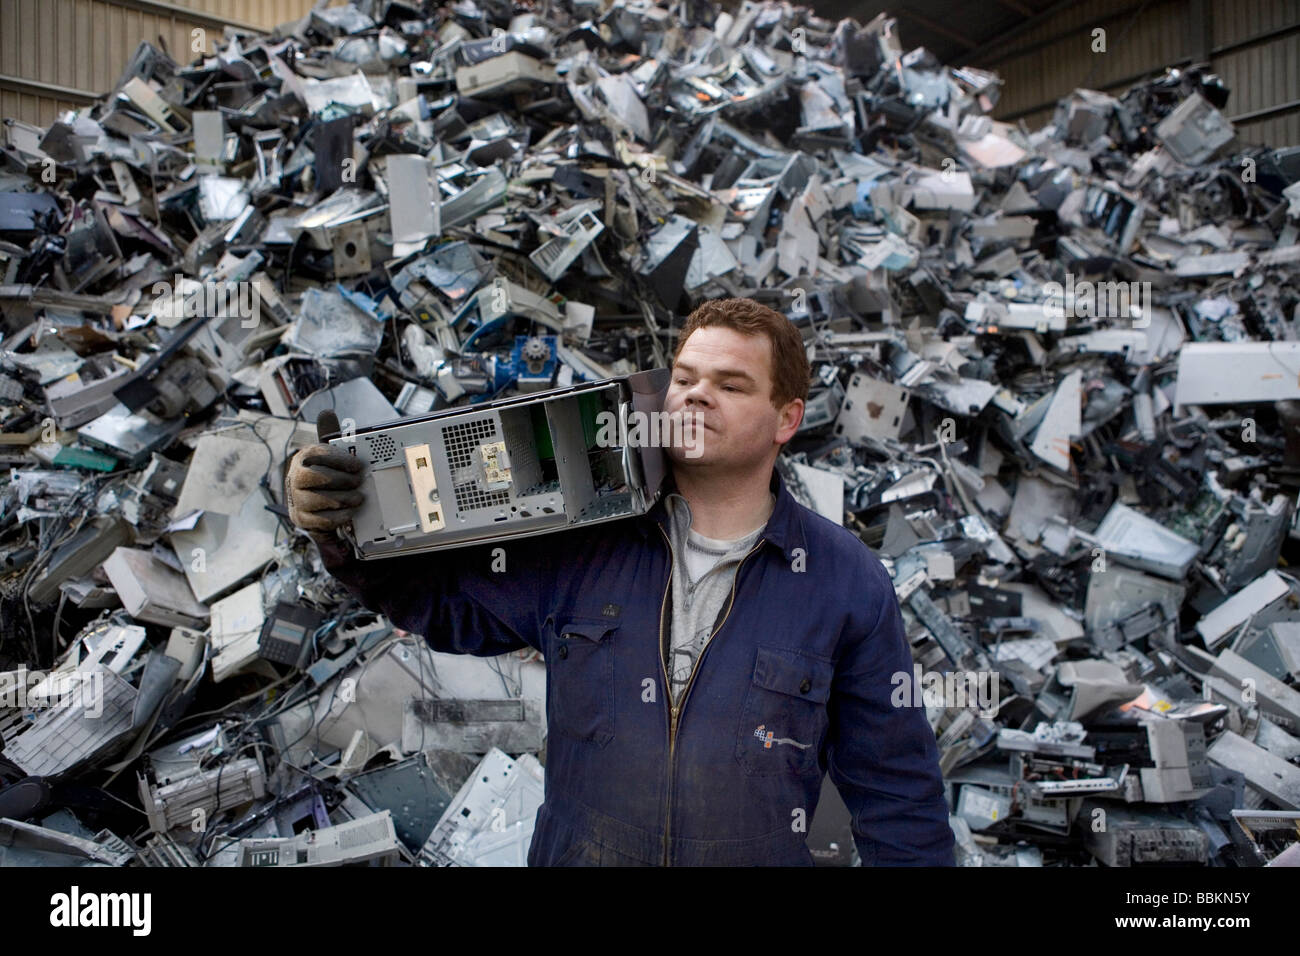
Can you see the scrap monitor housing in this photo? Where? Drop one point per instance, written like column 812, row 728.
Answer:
column 515, row 467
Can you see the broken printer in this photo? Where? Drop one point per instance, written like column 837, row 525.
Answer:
column 509, row 468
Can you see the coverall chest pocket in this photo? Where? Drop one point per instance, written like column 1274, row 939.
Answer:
column 784, row 718
column 580, row 676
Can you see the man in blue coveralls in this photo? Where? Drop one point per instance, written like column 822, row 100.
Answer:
column 707, row 662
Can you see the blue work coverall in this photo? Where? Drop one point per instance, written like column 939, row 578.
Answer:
column 795, row 682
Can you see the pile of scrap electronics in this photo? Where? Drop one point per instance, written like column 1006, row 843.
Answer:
column 1055, row 388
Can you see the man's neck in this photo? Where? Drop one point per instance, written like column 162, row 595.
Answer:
column 726, row 506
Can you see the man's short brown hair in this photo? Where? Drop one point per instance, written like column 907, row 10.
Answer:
column 790, row 371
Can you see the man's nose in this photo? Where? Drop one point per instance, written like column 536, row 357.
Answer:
column 697, row 394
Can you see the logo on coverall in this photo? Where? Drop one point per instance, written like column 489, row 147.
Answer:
column 768, row 737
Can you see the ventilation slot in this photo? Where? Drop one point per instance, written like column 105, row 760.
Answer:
column 382, row 448
column 472, row 497
column 461, row 440
column 363, row 834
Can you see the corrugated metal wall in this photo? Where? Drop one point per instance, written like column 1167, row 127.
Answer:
column 1253, row 44
column 59, row 54
column 1264, row 76
column 62, row 54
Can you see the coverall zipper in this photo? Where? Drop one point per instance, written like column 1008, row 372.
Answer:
column 676, row 708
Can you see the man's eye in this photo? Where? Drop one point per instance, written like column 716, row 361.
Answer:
column 730, row 388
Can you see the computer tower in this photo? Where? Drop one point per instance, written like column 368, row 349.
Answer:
column 514, row 467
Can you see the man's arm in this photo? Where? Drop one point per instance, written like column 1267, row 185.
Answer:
column 454, row 599
column 884, row 759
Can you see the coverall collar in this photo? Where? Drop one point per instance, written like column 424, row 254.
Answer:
column 784, row 527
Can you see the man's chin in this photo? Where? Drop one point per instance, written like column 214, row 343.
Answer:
column 689, row 454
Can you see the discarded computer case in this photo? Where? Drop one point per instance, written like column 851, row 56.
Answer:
column 510, row 468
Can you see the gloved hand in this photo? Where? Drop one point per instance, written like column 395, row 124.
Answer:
column 320, row 487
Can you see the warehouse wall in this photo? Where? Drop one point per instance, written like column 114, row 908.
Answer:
column 1253, row 44
column 62, row 54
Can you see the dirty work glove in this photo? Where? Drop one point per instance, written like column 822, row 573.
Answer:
column 320, row 488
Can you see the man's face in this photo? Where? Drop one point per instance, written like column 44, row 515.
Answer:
column 722, row 382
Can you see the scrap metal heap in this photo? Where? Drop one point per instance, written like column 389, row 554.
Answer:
column 1055, row 386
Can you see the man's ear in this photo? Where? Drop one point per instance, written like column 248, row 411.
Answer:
column 791, row 419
